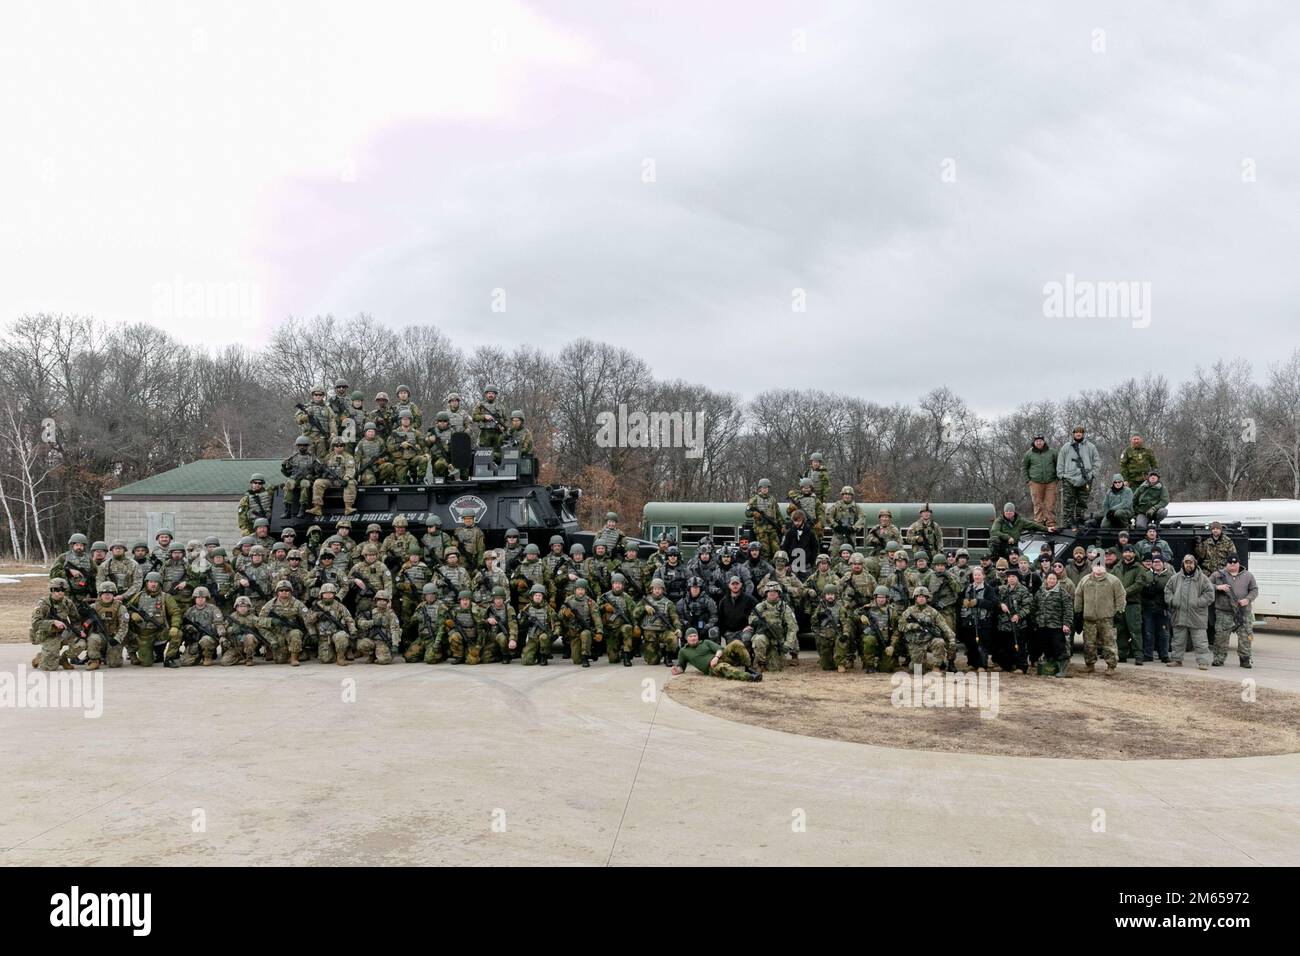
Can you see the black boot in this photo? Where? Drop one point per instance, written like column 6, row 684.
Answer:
column 544, row 660
column 285, row 511
column 586, row 661
column 754, row 675
column 627, row 658
column 302, row 509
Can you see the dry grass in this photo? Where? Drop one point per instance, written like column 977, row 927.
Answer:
column 1139, row 714
column 17, row 601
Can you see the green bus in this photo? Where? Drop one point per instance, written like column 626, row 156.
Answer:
column 964, row 525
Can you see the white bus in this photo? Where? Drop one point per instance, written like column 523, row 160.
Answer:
column 1274, row 529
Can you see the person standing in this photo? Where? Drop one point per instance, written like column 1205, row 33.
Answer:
column 1136, row 461
column 1100, row 597
column 1076, row 467
column 1039, row 470
column 1189, row 595
column 1235, row 592
column 1155, row 613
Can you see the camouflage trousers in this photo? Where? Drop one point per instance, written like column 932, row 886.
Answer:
column 1182, row 637
column 733, row 663
column 872, row 648
column 143, row 645
column 333, row 645
column 1074, row 504
column 1223, row 631
column 618, row 641
column 928, row 653
column 204, row 649
column 297, row 492
column 283, row 643
column 1099, row 636
column 238, row 650
column 97, row 648
column 474, row 650
column 826, row 639
column 656, row 645
column 766, row 537
column 322, row 485
column 429, row 650
column 51, row 652
column 768, row 653
column 410, row 471
column 537, row 647
column 372, row 651
column 580, row 644
column 1128, row 633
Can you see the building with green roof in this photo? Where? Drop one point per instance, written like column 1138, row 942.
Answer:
column 193, row 501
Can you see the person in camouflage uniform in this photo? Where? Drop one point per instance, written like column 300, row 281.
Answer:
column 175, row 573
column 368, row 576
column 925, row 534
column 396, row 548
column 352, row 423
column 618, row 617
column 1212, row 553
column 221, row 581
column 877, row 623
column 339, row 470
column 338, row 402
column 927, row 636
column 1235, row 593
column 1100, row 597
column 708, row 657
column 502, row 628
column 382, row 416
column 660, row 625
column 901, row 581
column 140, row 555
column 74, row 568
column 1011, row 650
column 610, row 536
column 773, row 630
column 570, row 573
column 435, row 542
column 945, row 593
column 451, row 578
column 245, row 630
column 426, row 642
column 99, row 554
column 491, row 577
column 832, row 626
column 1136, row 462
column 299, row 469
column 518, row 436
column 822, row 577
column 810, row 503
column 438, row 442
column 334, row 627
column 317, row 422
column 155, row 619
column 537, row 627
column 288, row 623
column 597, row 568
column 1077, row 464
column 255, row 581
column 371, row 457
column 513, row 552
column 845, row 521
column 632, row 571
column 470, row 540
column 202, row 630
column 1150, row 502
column 465, row 630
column 764, row 511
column 460, row 419
column 410, row 581
column 820, row 477
column 490, row 419
column 878, row 538
column 106, row 628
column 379, row 633
column 531, row 571
column 581, row 624
column 122, row 571
column 256, row 503
column 557, row 563
column 404, row 403
column 792, row 585
column 697, row 609
column 56, row 622
column 1053, row 616
column 858, row 586
column 162, row 548
column 406, row 451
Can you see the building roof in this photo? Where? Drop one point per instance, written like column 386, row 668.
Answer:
column 209, row 476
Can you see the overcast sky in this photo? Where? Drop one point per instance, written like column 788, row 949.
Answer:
column 921, row 171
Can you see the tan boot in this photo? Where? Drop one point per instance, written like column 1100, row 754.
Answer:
column 207, row 662
column 293, row 660
column 36, row 661
column 248, row 662
column 65, row 663
column 92, row 666
column 342, row 660
column 314, row 510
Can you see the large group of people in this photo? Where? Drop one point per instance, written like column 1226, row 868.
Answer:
column 427, row 594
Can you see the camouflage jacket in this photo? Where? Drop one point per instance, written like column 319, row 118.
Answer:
column 536, row 618
column 832, row 620
column 435, row 544
column 318, row 422
column 878, row 537
column 504, row 617
column 880, row 622
column 945, row 589
column 618, row 610
column 1018, row 602
column 286, row 615
column 330, row 617
column 151, row 613
column 658, row 615
column 580, row 614
column 369, row 454
column 197, row 618
column 385, row 628
column 252, row 506
column 776, row 620
column 927, row 537
column 124, row 573
column 766, row 514
column 375, row 574
column 919, row 623
column 298, row 467
column 47, row 611
column 472, row 544
column 844, row 518
column 429, row 619
column 81, row 584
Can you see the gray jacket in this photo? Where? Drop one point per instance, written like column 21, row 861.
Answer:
column 1243, row 586
column 1189, row 597
column 1078, row 464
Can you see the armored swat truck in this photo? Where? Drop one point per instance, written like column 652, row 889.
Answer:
column 499, row 496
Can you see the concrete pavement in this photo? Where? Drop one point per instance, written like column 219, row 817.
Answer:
column 410, row 764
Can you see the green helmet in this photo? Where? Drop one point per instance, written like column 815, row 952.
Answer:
column 429, row 589
column 404, row 388
column 368, row 426
column 58, row 584
column 517, row 414
column 200, row 592
column 153, row 576
column 257, row 476
column 580, row 583
column 764, row 483
column 357, row 397
column 499, row 592
column 557, row 539
column 465, row 595
column 78, row 539
column 99, row 546
column 577, row 548
column 880, row 591
column 532, row 549
column 617, row 578
column 537, row 589
column 301, row 440
column 442, row 417
column 921, row 591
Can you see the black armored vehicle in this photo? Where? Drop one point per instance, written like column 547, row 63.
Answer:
column 499, row 496
column 1181, row 536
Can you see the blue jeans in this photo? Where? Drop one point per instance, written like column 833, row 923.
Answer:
column 1155, row 632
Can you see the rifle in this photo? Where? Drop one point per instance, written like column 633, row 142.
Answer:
column 188, row 625
column 93, row 618
column 311, row 421
column 255, row 585
column 286, row 621
column 330, row 473
column 620, row 612
column 772, row 522
column 374, row 460
column 321, row 612
column 875, row 629
column 1083, row 472
column 242, row 628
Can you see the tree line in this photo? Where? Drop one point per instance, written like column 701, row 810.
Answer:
column 87, row 408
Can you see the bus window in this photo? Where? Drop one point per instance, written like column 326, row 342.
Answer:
column 520, row 513
column 952, row 538
column 1258, row 538
column 658, row 530
column 724, row 534
column 977, row 537
column 1286, row 539
column 692, row 533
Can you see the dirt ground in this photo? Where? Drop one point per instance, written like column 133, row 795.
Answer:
column 1152, row 713
column 18, row 599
